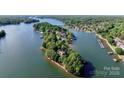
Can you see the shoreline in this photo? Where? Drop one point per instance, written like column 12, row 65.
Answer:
column 106, row 44
column 110, row 48
column 58, row 65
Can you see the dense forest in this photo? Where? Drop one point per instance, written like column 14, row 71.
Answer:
column 56, row 43
column 6, row 20
column 109, row 27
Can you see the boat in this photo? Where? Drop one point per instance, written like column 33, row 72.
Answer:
column 41, row 37
column 41, row 32
column 115, row 60
column 110, row 53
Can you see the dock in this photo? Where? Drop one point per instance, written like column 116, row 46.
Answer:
column 110, row 53
column 100, row 43
column 41, row 37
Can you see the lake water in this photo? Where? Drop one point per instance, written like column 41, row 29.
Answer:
column 20, row 54
column 100, row 62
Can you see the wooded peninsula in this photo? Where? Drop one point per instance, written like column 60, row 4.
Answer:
column 57, row 45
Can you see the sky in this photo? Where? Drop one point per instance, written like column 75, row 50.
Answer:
column 61, row 7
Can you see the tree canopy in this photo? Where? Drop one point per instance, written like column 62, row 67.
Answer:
column 6, row 20
column 2, row 33
column 119, row 51
column 56, row 41
column 109, row 27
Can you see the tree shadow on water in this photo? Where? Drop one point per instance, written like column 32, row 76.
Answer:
column 88, row 70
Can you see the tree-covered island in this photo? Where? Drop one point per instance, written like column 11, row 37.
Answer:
column 56, row 44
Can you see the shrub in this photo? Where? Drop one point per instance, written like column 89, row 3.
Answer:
column 119, row 51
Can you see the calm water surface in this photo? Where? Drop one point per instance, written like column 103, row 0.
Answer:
column 89, row 48
column 20, row 54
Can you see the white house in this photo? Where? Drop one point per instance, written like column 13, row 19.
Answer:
column 119, row 43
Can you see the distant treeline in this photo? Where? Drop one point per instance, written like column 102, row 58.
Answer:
column 108, row 26
column 6, row 20
column 2, row 33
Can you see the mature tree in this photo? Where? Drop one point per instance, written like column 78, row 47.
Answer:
column 2, row 33
column 119, row 51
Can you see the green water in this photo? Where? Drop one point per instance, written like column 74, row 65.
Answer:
column 20, row 54
column 89, row 48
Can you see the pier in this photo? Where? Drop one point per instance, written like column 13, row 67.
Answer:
column 100, row 43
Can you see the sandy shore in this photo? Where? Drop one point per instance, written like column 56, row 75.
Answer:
column 58, row 65
column 61, row 67
column 108, row 45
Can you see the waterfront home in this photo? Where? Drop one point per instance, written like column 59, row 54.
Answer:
column 119, row 43
column 61, row 53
